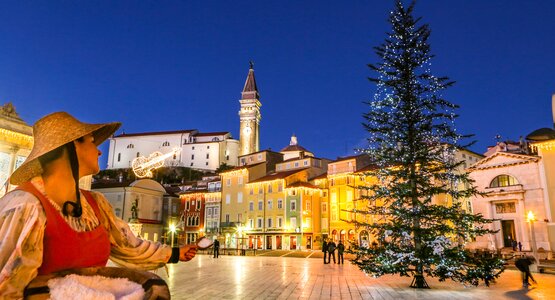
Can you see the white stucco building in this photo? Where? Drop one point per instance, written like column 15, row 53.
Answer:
column 202, row 151
column 148, row 196
column 514, row 185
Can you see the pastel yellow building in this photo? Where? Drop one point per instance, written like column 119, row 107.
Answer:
column 16, row 141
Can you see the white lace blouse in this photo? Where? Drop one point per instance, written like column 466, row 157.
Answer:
column 22, row 225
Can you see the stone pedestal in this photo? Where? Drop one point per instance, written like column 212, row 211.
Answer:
column 136, row 227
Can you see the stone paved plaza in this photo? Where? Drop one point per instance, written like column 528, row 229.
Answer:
column 256, row 277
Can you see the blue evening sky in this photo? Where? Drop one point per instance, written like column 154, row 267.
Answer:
column 171, row 65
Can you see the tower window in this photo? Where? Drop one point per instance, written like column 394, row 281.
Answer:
column 165, row 144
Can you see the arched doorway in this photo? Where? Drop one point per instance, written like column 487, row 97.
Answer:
column 351, row 236
column 333, row 236
column 342, row 235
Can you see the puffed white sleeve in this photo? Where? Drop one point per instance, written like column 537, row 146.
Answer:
column 128, row 250
column 22, row 225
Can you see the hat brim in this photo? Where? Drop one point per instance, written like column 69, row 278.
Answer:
column 31, row 167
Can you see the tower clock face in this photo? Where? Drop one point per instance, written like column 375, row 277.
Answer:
column 247, row 130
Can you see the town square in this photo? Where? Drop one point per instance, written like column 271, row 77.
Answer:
column 313, row 150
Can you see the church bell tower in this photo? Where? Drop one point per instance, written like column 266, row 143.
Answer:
column 249, row 116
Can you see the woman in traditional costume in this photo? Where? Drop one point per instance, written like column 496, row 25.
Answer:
column 49, row 225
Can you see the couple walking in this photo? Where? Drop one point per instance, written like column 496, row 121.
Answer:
column 328, row 247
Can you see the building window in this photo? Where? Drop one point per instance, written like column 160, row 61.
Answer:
column 187, row 205
column 270, row 204
column 251, row 191
column 260, row 188
column 207, row 155
column 280, row 187
column 119, row 157
column 130, row 146
column 293, row 222
column 308, row 205
column 306, row 162
column 324, row 207
column 166, row 144
column 227, row 218
column 227, row 199
column 239, row 217
column 240, row 197
column 138, row 154
column 259, row 223
column 193, row 148
column 251, row 206
column 260, row 205
column 228, row 182
column 270, row 188
column 279, row 222
column 260, row 156
column 240, row 180
column 293, row 205
column 207, row 147
column 191, row 164
column 280, row 203
column 251, row 223
column 269, row 222
column 296, row 164
column 207, row 163
column 192, row 156
column 198, row 204
column 503, row 180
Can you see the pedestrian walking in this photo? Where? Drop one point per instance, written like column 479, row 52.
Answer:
column 523, row 265
column 216, row 248
column 519, row 246
column 325, row 250
column 331, row 251
column 514, row 244
column 340, row 250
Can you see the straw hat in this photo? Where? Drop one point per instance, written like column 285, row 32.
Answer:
column 53, row 131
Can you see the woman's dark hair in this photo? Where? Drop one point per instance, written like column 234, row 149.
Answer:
column 45, row 159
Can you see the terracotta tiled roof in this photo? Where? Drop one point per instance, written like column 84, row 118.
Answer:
column 211, row 133
column 302, row 184
column 266, row 150
column 155, row 133
column 348, row 157
column 241, row 167
column 294, row 148
column 277, row 175
column 321, row 176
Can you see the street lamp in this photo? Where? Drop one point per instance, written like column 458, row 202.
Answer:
column 172, row 230
column 530, row 218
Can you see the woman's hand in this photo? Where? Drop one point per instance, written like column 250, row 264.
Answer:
column 187, row 252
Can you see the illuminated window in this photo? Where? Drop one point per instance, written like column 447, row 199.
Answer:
column 280, row 203
column 503, row 180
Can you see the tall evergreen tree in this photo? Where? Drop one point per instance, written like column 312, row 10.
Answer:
column 412, row 142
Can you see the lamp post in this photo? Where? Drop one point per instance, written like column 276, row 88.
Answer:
column 530, row 218
column 172, row 231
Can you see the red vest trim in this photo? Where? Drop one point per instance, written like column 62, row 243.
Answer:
column 65, row 248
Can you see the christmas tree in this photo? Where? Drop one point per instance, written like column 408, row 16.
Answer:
column 412, row 141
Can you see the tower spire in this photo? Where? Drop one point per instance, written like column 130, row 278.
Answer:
column 249, row 115
column 250, row 90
